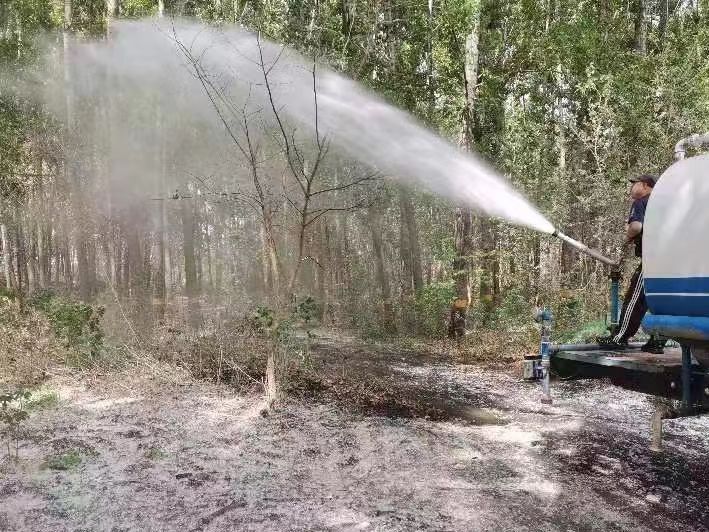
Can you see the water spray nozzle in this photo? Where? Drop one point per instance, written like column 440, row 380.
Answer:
column 584, row 248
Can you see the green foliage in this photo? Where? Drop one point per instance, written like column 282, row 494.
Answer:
column 21, row 21
column 78, row 324
column 9, row 310
column 65, row 461
column 283, row 331
column 263, row 318
column 432, row 304
column 586, row 333
column 89, row 17
column 568, row 313
column 514, row 310
column 155, row 454
column 42, row 399
column 562, row 103
column 138, row 8
column 13, row 135
column 307, row 310
column 7, row 294
column 444, row 249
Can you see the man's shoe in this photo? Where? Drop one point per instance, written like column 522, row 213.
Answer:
column 608, row 342
column 654, row 346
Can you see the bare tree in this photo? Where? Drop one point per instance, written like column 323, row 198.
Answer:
column 309, row 199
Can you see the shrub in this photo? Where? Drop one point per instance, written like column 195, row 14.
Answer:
column 432, row 304
column 76, row 323
column 65, row 462
column 12, row 414
column 514, row 311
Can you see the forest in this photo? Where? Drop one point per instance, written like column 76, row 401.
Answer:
column 276, row 223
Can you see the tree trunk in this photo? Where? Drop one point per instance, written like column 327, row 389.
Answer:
column 410, row 244
column 107, row 258
column 10, row 281
column 461, row 271
column 464, row 216
column 268, row 284
column 32, row 262
column 160, row 283
column 118, row 262
column 82, row 264
column 20, row 256
column 38, row 227
column 66, row 265
column 325, row 273
column 271, row 250
column 112, row 8
column 188, row 231
column 380, row 271
column 71, row 172
column 536, row 267
column 198, row 251
column 208, row 251
column 407, row 273
column 664, row 8
column 640, row 40
column 147, row 274
column 42, row 253
column 429, row 63
column 218, row 262
column 125, row 268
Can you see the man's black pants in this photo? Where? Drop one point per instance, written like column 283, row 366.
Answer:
column 634, row 308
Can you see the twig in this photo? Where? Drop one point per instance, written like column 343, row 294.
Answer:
column 204, row 521
column 237, row 368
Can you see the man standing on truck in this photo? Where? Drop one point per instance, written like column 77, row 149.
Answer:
column 634, row 304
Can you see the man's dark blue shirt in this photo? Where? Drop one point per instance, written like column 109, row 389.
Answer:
column 637, row 214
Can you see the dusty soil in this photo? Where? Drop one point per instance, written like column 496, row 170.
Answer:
column 355, row 452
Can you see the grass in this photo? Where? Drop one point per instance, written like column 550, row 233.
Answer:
column 155, row 453
column 42, row 399
column 65, row 461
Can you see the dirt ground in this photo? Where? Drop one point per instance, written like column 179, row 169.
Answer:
column 137, row 452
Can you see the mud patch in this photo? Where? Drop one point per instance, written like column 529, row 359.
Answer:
column 379, row 382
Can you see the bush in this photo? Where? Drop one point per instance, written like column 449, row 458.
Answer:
column 587, row 333
column 12, row 414
column 138, row 8
column 432, row 304
column 308, row 310
column 7, row 294
column 514, row 311
column 76, row 323
column 28, row 345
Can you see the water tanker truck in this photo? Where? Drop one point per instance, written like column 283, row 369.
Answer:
column 675, row 266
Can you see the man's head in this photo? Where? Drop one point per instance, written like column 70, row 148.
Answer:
column 642, row 186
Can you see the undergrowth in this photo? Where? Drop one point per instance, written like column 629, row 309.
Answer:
column 237, row 351
column 77, row 324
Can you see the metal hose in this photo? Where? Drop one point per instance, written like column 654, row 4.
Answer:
column 584, row 248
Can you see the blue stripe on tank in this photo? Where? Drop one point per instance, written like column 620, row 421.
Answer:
column 677, row 285
column 678, row 305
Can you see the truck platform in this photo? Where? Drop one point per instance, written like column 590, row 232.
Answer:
column 632, row 369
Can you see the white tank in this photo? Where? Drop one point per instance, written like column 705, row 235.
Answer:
column 676, row 240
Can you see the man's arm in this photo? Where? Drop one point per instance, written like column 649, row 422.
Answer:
column 633, row 229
